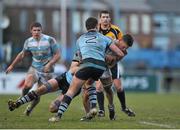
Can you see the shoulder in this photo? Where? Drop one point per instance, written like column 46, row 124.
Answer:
column 101, row 35
column 106, row 38
column 30, row 39
column 115, row 28
column 48, row 38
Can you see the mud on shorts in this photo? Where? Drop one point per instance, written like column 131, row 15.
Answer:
column 39, row 77
column 106, row 78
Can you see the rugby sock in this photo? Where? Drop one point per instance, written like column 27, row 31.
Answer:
column 100, row 99
column 92, row 97
column 25, row 91
column 64, row 105
column 121, row 96
column 27, row 98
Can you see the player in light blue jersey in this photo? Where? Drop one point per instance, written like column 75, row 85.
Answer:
column 61, row 82
column 45, row 54
column 92, row 46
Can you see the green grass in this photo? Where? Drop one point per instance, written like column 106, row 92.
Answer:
column 153, row 111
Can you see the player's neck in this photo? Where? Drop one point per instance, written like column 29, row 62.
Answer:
column 92, row 30
column 105, row 27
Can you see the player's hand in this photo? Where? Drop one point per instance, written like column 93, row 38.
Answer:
column 9, row 69
column 124, row 51
column 110, row 60
column 47, row 68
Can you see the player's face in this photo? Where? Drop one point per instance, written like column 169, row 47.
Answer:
column 36, row 32
column 105, row 19
column 123, row 45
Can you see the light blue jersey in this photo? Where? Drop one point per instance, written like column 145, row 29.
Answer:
column 69, row 77
column 93, row 45
column 42, row 50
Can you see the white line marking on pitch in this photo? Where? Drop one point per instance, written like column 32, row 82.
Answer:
column 156, row 124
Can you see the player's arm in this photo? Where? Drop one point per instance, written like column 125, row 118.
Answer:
column 115, row 49
column 18, row 58
column 56, row 55
column 111, row 60
column 54, row 59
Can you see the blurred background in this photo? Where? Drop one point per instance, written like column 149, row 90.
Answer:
column 152, row 64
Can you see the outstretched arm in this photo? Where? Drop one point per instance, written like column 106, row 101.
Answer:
column 18, row 58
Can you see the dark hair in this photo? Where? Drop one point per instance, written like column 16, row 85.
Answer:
column 35, row 24
column 91, row 23
column 104, row 12
column 128, row 39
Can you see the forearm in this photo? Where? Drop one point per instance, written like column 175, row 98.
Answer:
column 18, row 58
column 119, row 53
column 55, row 58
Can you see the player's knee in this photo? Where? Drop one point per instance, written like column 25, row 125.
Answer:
column 27, row 85
column 99, row 88
column 108, row 88
column 119, row 89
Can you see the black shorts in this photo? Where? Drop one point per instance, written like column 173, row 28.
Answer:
column 115, row 72
column 63, row 83
column 89, row 72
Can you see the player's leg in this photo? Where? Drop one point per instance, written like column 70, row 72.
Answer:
column 89, row 100
column 29, row 82
column 30, row 79
column 107, row 84
column 51, row 86
column 100, row 99
column 73, row 89
column 122, row 99
column 42, row 79
column 63, row 85
column 32, row 105
column 80, row 77
column 120, row 91
column 85, row 98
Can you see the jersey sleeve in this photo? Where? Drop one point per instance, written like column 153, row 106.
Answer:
column 54, row 45
column 77, row 46
column 77, row 55
column 119, row 33
column 25, row 48
column 108, row 40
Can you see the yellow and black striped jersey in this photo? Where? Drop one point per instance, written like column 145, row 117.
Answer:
column 113, row 32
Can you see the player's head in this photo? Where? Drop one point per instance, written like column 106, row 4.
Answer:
column 128, row 39
column 36, row 30
column 91, row 23
column 104, row 17
column 126, row 42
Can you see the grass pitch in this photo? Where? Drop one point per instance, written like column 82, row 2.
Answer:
column 156, row 111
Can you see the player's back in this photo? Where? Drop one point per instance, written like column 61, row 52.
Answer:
column 93, row 45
